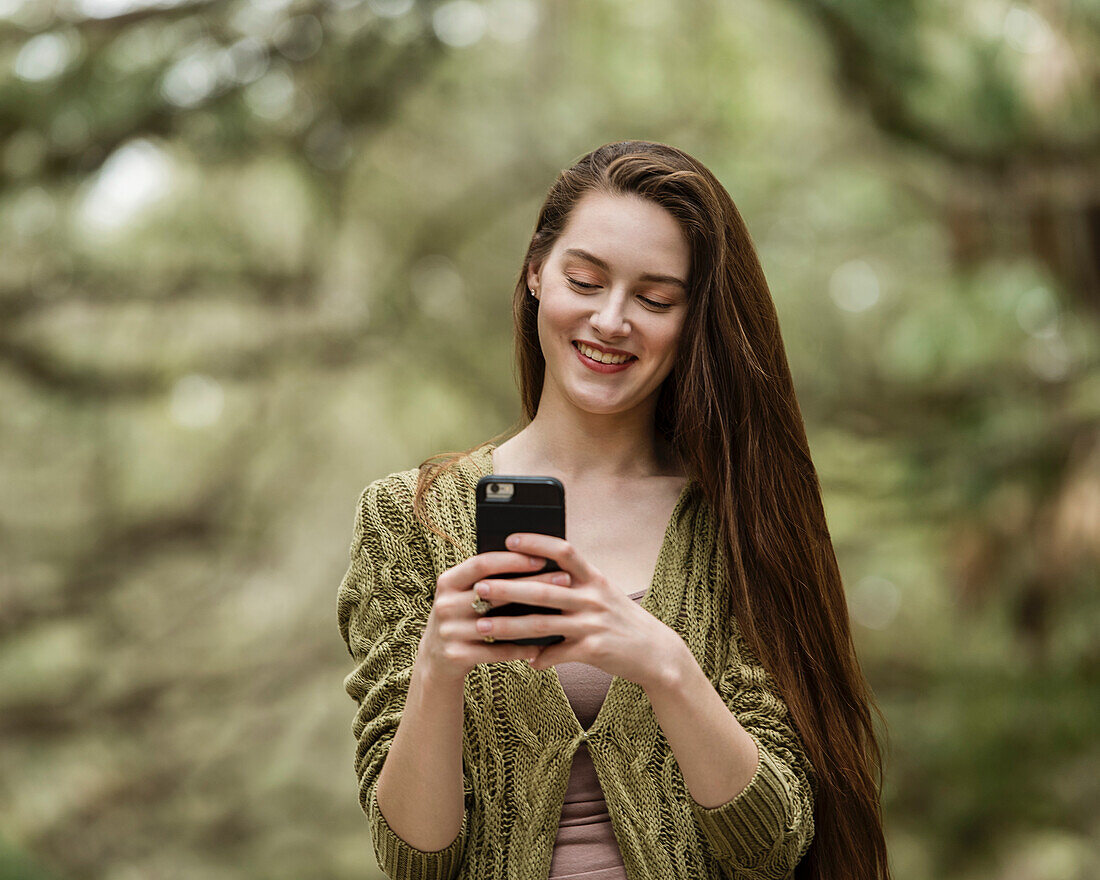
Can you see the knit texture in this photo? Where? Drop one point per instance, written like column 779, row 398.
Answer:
column 520, row 731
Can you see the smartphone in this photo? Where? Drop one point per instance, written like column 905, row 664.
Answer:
column 520, row 504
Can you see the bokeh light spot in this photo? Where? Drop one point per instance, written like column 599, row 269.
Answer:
column 1025, row 30
column 133, row 177
column 197, row 401
column 196, row 75
column 45, row 56
column 874, row 602
column 854, row 286
column 512, row 21
column 1037, row 312
column 300, row 37
column 1048, row 357
column 391, row 8
column 459, row 23
column 271, row 96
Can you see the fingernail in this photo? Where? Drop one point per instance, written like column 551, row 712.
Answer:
column 482, row 588
column 483, row 626
column 536, row 560
column 560, row 579
column 512, row 541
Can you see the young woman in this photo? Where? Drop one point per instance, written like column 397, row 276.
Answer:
column 705, row 715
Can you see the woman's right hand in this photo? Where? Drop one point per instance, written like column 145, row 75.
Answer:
column 451, row 645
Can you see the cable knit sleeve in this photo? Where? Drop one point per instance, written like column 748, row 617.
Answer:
column 382, row 607
column 763, row 832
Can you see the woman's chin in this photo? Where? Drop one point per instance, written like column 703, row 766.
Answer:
column 601, row 404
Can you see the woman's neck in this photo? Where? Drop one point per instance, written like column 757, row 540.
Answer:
column 585, row 458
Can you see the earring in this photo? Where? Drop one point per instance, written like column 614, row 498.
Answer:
column 530, row 291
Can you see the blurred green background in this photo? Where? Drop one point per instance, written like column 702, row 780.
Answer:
column 254, row 255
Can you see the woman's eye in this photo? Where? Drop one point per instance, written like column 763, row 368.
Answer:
column 650, row 302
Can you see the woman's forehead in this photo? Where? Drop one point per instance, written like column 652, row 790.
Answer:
column 624, row 233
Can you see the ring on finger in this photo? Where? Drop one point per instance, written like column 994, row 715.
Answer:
column 488, row 639
column 481, row 605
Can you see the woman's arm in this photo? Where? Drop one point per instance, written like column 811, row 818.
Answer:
column 408, row 721
column 420, row 787
column 698, row 726
column 755, row 805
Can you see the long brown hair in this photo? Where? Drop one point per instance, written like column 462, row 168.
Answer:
column 729, row 410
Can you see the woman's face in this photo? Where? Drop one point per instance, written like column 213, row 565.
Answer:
column 615, row 279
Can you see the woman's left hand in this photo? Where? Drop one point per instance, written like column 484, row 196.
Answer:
column 602, row 626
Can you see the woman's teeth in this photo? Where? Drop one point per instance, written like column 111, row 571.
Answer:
column 602, row 357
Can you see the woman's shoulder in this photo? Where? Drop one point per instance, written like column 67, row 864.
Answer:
column 397, row 484
column 449, row 481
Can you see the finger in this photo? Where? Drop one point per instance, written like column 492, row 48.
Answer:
column 476, row 592
column 461, row 576
column 498, row 653
column 526, row 626
column 543, row 577
column 552, row 655
column 558, row 549
column 533, row 591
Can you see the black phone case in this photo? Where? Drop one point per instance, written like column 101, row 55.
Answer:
column 537, row 505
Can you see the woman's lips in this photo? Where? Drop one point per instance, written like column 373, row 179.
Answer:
column 602, row 368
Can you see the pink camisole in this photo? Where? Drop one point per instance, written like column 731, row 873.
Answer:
column 585, row 848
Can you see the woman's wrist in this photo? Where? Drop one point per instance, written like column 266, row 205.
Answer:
column 436, row 677
column 672, row 664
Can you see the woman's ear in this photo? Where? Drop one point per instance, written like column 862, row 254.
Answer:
column 534, row 271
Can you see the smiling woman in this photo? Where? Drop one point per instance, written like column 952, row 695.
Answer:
column 706, row 665
column 620, row 309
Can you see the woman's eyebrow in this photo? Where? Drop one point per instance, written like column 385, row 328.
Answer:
column 648, row 276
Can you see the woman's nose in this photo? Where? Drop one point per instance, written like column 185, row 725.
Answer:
column 609, row 319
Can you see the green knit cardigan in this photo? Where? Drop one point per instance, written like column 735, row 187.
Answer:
column 520, row 731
